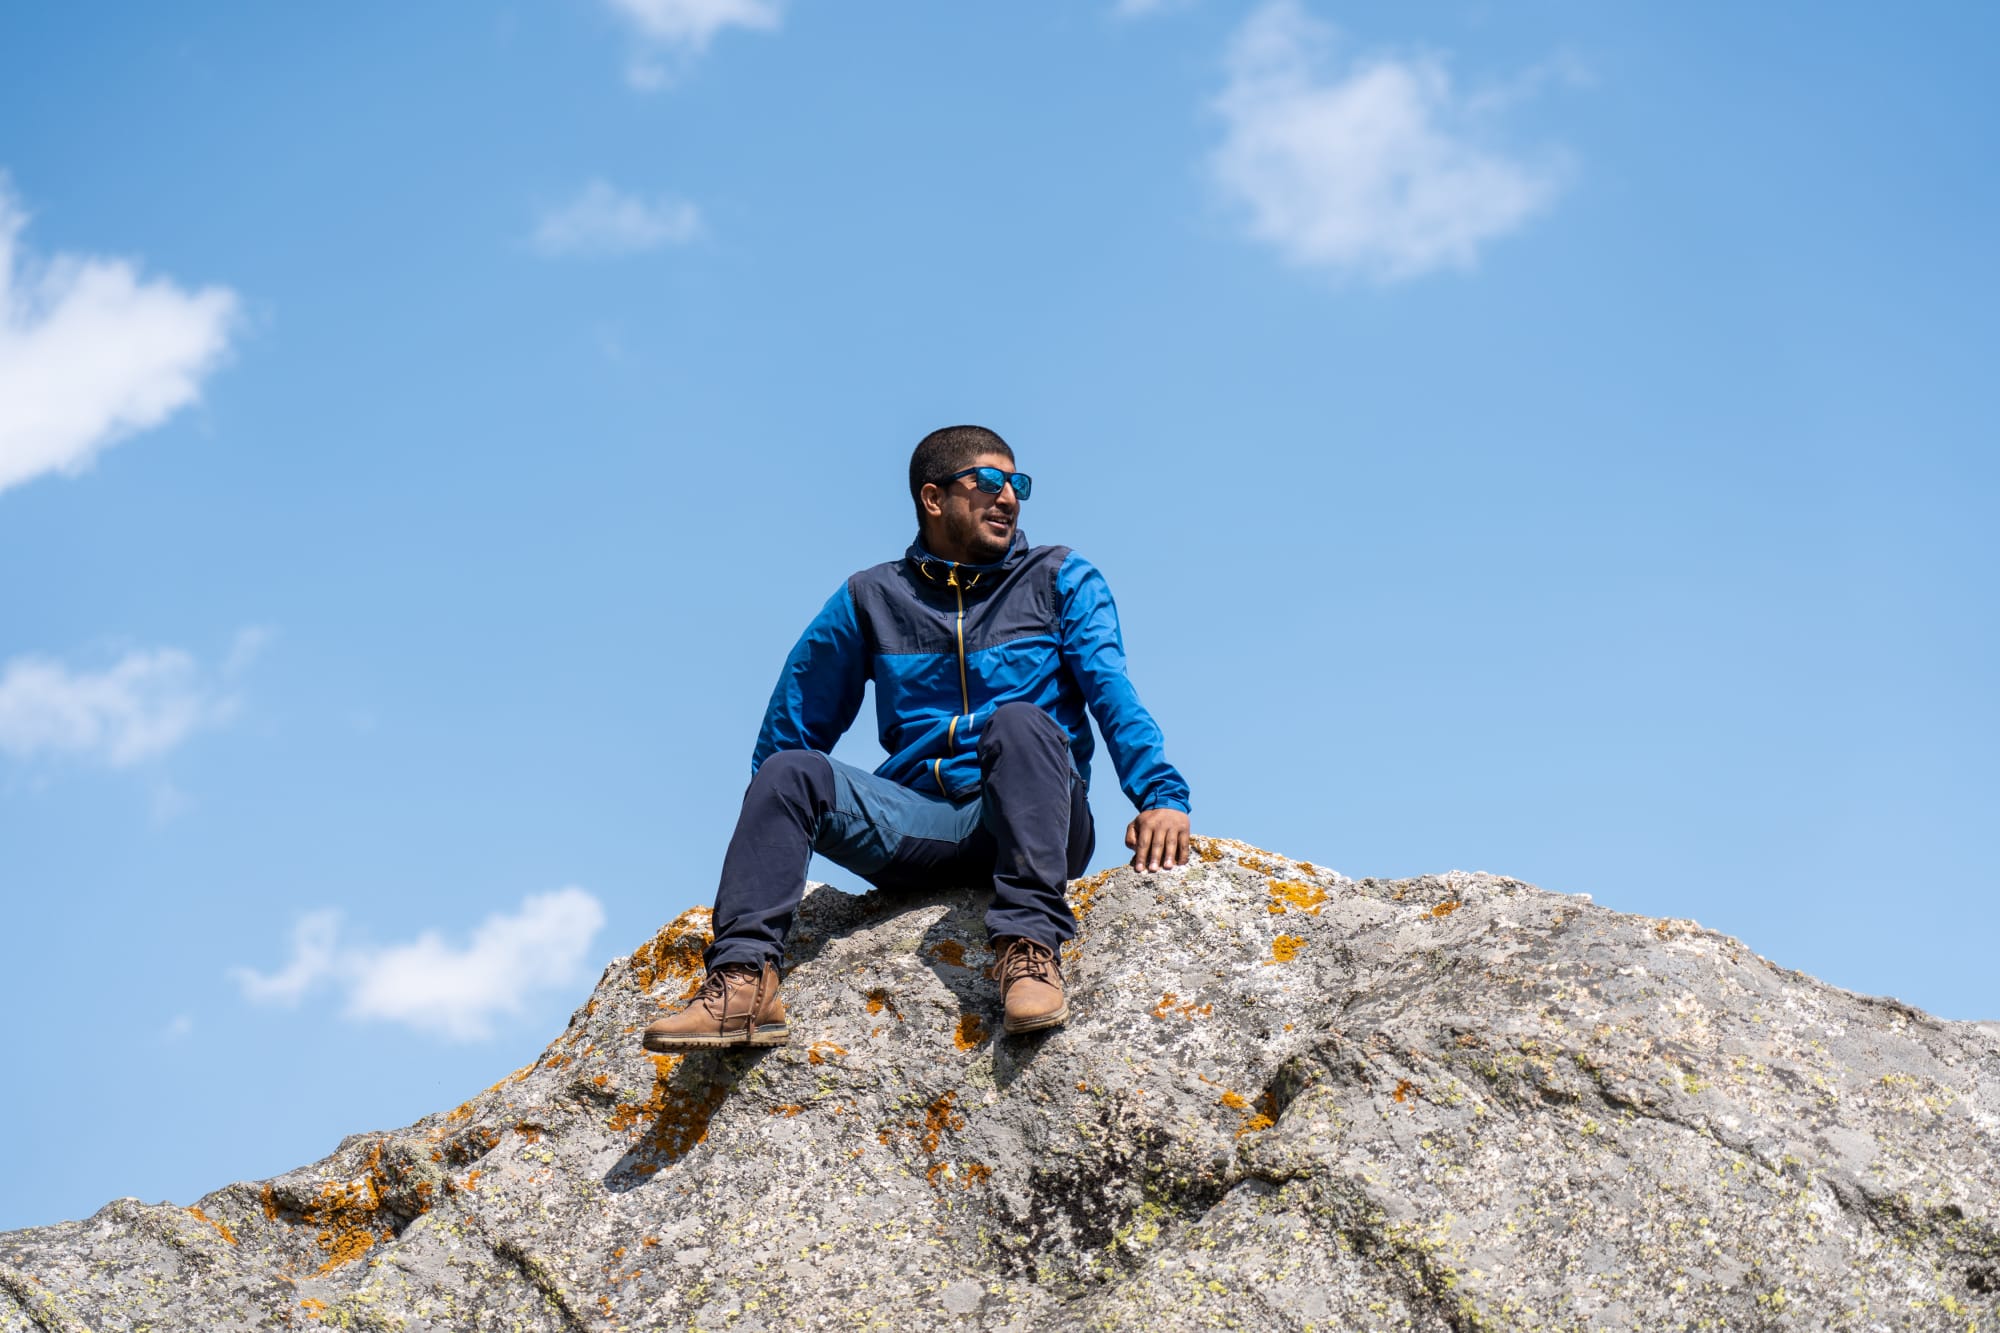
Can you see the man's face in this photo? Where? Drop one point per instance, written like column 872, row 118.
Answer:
column 971, row 526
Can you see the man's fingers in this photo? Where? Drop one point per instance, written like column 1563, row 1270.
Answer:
column 1132, row 835
column 1181, row 846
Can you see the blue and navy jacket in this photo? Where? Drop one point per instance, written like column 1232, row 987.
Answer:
column 946, row 644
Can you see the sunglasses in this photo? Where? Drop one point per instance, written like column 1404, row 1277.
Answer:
column 991, row 480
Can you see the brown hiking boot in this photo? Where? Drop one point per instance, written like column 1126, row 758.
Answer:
column 1030, row 984
column 737, row 1005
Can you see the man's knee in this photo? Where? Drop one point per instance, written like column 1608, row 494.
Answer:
column 805, row 776
column 1020, row 721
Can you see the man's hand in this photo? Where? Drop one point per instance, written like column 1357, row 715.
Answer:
column 1158, row 839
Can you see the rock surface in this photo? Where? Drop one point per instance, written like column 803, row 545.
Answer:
column 1285, row 1100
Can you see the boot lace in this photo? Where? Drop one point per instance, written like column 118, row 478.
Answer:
column 715, row 989
column 1024, row 959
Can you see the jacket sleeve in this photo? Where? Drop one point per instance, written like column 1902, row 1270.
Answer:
column 819, row 691
column 1094, row 652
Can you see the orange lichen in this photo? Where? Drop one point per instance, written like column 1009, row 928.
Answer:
column 649, row 1243
column 1285, row 948
column 221, row 1227
column 1265, row 1115
column 531, row 1133
column 968, row 1173
column 1406, row 1090
column 1234, row 1100
column 1208, row 849
column 1170, row 1003
column 349, row 1213
column 315, row 1308
column 1295, row 893
column 788, row 1110
column 877, row 998
column 1446, row 909
column 949, row 951
column 675, row 953
column 1307, row 867
column 971, row 1031
column 600, row 1080
column 1083, row 893
column 819, row 1051
column 679, row 1116
column 1252, row 863
column 939, row 1117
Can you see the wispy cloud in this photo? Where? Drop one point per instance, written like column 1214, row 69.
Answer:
column 90, row 352
column 433, row 986
column 603, row 220
column 1381, row 170
column 678, row 30
column 136, row 709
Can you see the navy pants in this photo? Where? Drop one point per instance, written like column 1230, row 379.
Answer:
column 1029, row 829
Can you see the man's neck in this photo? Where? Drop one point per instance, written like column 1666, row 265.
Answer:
column 948, row 551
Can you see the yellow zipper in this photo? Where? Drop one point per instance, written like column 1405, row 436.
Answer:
column 964, row 694
column 964, row 690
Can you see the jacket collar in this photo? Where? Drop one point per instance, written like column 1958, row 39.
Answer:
column 936, row 569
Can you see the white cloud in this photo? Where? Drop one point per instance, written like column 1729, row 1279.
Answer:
column 90, row 352
column 605, row 221
column 314, row 942
column 431, row 985
column 1381, row 171
column 691, row 24
column 179, row 1029
column 674, row 32
column 138, row 708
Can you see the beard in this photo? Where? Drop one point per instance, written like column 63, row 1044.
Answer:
column 969, row 532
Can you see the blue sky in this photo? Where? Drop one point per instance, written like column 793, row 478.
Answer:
column 1556, row 441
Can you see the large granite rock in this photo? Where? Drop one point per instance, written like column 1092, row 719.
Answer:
column 1285, row 1100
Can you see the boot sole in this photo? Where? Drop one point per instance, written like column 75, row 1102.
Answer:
column 768, row 1035
column 1054, row 1020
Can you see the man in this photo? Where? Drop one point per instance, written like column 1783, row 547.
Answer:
column 985, row 653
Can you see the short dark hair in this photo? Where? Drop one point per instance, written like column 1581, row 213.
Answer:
column 943, row 452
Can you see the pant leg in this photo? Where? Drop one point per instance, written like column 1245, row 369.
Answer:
column 801, row 802
column 764, row 870
column 1037, row 810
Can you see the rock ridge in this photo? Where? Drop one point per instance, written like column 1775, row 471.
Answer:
column 1286, row 1099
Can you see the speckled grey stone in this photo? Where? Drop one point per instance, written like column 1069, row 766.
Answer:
column 1285, row 1100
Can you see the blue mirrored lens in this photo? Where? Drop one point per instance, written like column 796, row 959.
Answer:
column 1023, row 483
column 989, row 479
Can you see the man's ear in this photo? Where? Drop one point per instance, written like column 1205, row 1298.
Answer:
column 931, row 497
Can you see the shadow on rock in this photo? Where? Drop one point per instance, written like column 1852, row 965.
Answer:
column 687, row 1092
